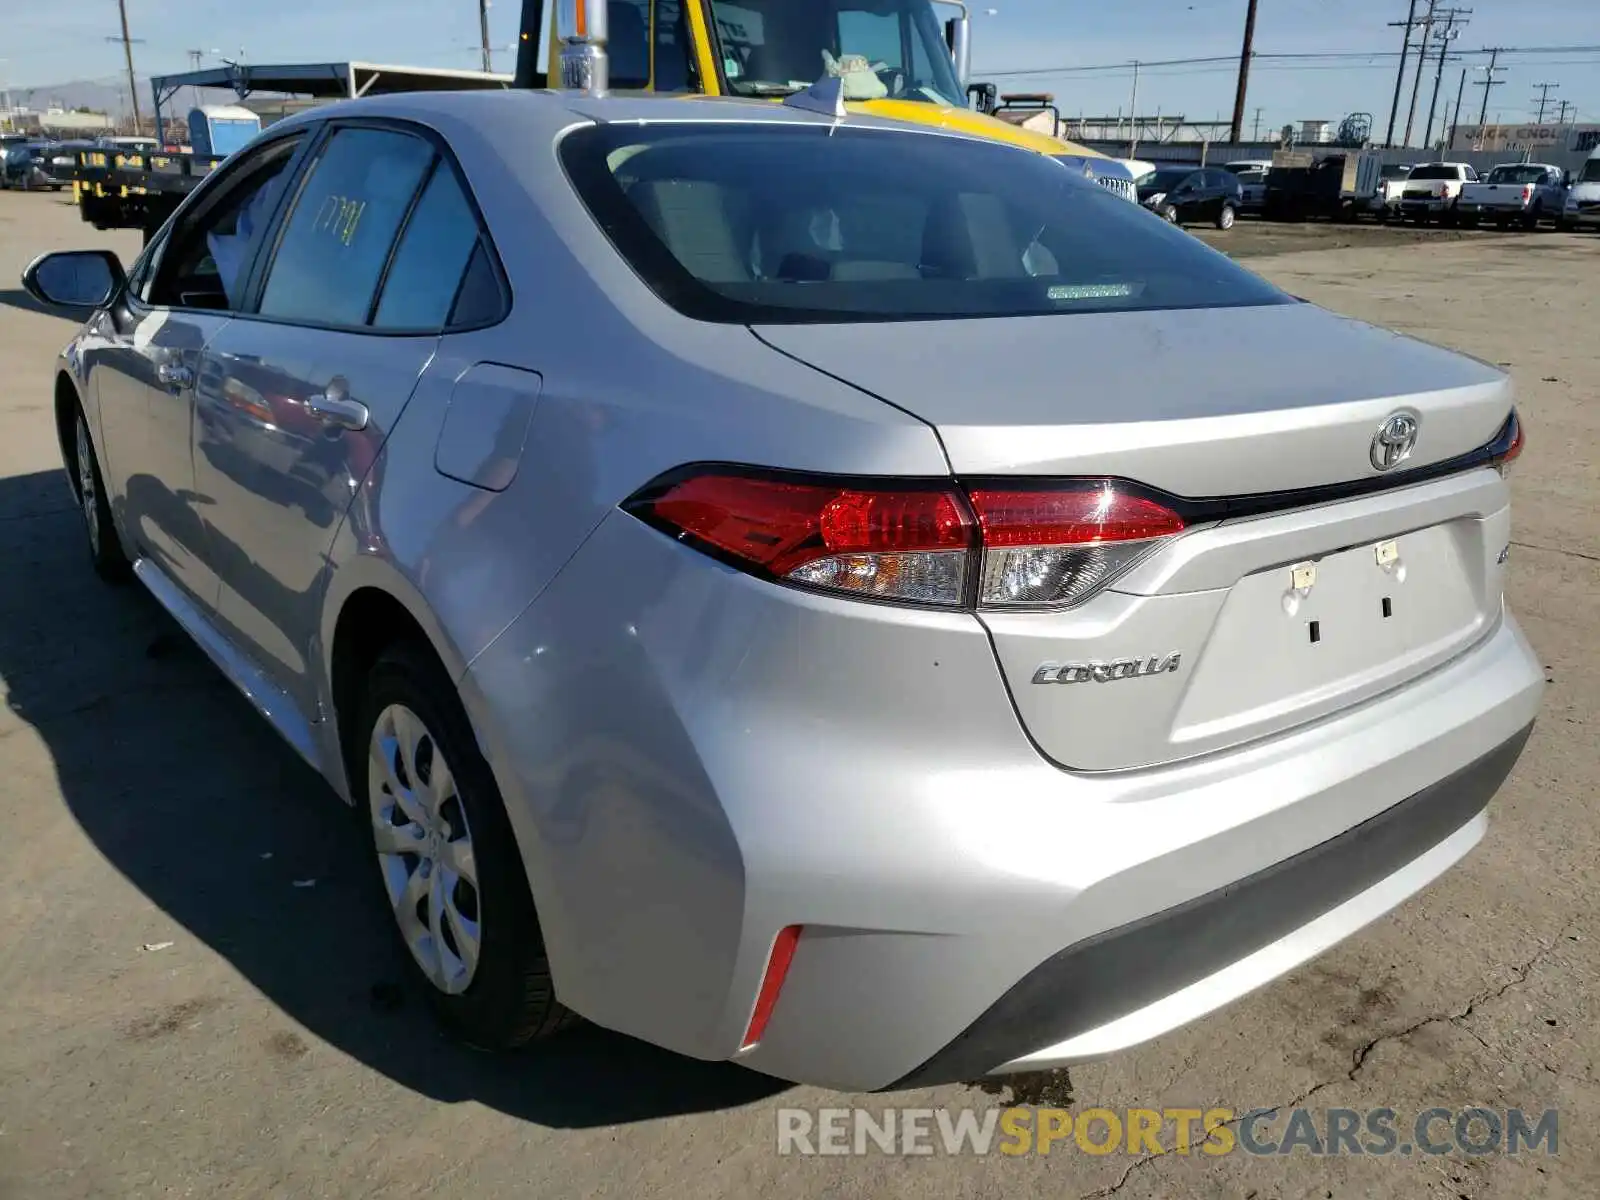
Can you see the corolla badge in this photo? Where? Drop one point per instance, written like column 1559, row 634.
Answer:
column 1107, row 672
column 1395, row 440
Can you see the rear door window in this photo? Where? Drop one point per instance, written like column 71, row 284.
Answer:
column 336, row 243
column 425, row 276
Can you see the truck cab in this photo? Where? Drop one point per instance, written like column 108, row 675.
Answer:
column 895, row 58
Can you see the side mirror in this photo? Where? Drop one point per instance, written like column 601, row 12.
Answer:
column 958, row 33
column 581, row 30
column 986, row 97
column 74, row 279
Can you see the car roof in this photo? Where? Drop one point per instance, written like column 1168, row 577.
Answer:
column 520, row 111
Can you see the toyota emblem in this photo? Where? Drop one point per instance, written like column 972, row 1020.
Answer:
column 1395, row 440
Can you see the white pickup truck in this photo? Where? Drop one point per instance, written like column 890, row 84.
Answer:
column 1431, row 191
column 1523, row 192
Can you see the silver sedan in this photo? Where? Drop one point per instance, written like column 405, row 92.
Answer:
column 805, row 590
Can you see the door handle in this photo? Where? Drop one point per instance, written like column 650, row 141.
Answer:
column 339, row 411
column 172, row 374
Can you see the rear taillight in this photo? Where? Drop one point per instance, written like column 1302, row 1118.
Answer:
column 901, row 543
column 1508, row 446
column 1059, row 547
column 922, row 543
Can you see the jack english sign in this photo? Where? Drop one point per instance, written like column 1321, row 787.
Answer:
column 1577, row 139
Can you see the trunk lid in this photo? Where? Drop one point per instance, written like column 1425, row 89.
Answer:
column 1240, row 627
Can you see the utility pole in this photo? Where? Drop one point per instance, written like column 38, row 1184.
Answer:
column 483, row 29
column 1453, row 18
column 1544, row 99
column 1400, row 76
column 1133, row 115
column 1565, row 104
column 127, row 50
column 1255, row 134
column 1455, row 121
column 1488, row 83
column 1244, row 72
column 1422, row 65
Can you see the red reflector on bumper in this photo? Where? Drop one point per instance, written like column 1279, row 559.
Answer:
column 783, row 947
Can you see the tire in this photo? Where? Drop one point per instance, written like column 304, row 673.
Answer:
column 105, row 551
column 503, row 997
column 1226, row 217
column 1531, row 221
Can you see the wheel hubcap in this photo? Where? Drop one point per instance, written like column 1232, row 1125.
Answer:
column 424, row 849
column 86, row 489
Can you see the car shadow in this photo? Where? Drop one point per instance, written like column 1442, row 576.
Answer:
column 188, row 793
column 17, row 298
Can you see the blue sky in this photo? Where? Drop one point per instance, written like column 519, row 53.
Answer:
column 63, row 40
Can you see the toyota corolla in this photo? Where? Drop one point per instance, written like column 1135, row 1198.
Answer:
column 716, row 549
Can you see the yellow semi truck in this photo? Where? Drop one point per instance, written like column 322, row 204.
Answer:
column 895, row 58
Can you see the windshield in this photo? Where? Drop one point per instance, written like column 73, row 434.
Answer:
column 816, row 223
column 882, row 49
column 1517, row 174
column 1243, row 169
column 1436, row 173
column 1163, row 179
column 1591, row 171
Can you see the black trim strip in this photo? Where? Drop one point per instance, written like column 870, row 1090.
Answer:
column 1194, row 511
column 1121, row 971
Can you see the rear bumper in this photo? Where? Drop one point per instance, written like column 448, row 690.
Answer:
column 694, row 760
column 1133, row 982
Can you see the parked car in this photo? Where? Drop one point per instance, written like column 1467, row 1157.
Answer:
column 1252, row 175
column 1527, row 193
column 1187, row 195
column 1391, row 188
column 1432, row 189
column 727, row 623
column 58, row 160
column 19, row 166
column 1582, row 207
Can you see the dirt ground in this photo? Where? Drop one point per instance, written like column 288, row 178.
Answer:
column 1252, row 238
column 200, row 1002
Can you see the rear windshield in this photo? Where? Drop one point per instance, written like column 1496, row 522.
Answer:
column 1436, row 173
column 1517, row 174
column 1164, row 178
column 812, row 223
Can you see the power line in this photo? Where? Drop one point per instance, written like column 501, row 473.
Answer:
column 1544, row 99
column 1259, row 57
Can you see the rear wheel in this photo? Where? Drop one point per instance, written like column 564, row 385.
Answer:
column 1534, row 216
column 1225, row 218
column 105, row 551
column 447, row 858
